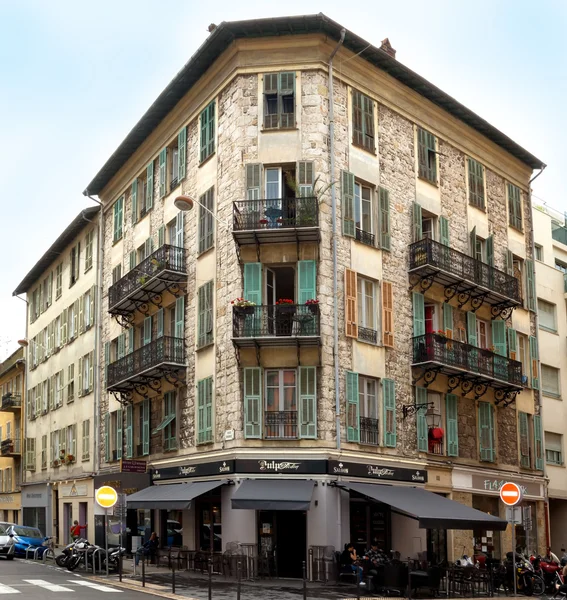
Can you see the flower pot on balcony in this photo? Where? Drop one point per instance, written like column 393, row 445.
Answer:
column 440, row 339
column 244, row 310
column 285, row 309
column 313, row 308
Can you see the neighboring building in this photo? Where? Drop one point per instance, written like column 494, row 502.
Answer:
column 550, row 235
column 429, row 196
column 61, row 380
column 12, row 394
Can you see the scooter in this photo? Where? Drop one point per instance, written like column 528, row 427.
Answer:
column 547, row 571
column 66, row 553
column 527, row 581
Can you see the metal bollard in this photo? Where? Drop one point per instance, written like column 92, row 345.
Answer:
column 173, row 579
column 238, row 578
column 143, row 572
column 304, row 580
column 120, row 566
column 210, row 578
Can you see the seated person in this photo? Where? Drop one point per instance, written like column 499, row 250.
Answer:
column 349, row 562
column 550, row 557
column 149, row 548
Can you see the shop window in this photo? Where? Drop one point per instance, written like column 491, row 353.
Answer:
column 486, row 542
column 209, row 522
column 369, row 521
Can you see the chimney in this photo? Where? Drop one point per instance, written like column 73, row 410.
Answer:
column 387, row 48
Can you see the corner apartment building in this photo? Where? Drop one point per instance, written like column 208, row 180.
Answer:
column 550, row 234
column 12, row 394
column 61, row 379
column 435, row 297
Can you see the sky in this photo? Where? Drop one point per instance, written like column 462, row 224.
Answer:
column 76, row 77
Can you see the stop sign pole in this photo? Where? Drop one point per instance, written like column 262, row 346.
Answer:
column 511, row 494
column 106, row 497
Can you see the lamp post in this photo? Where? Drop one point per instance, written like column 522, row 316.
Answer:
column 185, row 204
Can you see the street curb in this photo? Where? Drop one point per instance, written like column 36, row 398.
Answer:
column 151, row 588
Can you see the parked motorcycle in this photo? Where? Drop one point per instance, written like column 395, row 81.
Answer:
column 114, row 555
column 82, row 552
column 61, row 559
column 528, row 582
column 547, row 571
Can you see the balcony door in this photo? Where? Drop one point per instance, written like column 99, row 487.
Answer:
column 280, row 285
column 281, row 403
column 280, row 186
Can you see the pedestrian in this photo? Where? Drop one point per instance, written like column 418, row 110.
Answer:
column 149, row 548
column 76, row 530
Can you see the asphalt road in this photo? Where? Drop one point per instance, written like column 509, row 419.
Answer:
column 23, row 580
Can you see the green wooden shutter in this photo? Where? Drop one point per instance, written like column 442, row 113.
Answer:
column 107, row 456
column 134, row 201
column 490, row 250
column 444, row 231
column 132, row 260
column 524, row 440
column 253, row 183
column 129, row 431
column 106, row 360
column 146, row 426
column 499, row 337
column 253, row 282
column 147, row 336
column 253, row 403
column 512, row 344
column 119, row 434
column 307, row 280
column 486, row 431
column 418, row 314
column 421, row 398
column 347, row 193
column 451, row 416
column 208, row 131
column 161, row 236
column 179, row 230
column 448, row 319
column 534, row 356
column 538, row 442
column 159, row 319
column 389, row 398
column 180, row 317
column 204, row 410
column 121, row 350
column 130, row 333
column 353, row 409
column 423, row 166
column 205, row 314
column 80, row 391
column 162, row 172
column 417, row 222
column 472, row 240
column 471, row 328
column 149, row 185
column 182, row 153
column 385, row 235
column 530, row 283
column 509, row 262
column 308, row 402
column 305, row 179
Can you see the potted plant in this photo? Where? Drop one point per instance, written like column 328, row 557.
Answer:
column 313, row 305
column 69, row 459
column 157, row 265
column 285, row 305
column 243, row 307
column 263, row 221
column 440, row 336
column 56, row 463
column 142, row 279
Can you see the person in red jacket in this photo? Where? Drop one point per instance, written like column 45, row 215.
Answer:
column 76, row 530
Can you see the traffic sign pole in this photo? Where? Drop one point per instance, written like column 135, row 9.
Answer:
column 106, row 538
column 514, row 569
column 106, row 497
column 512, row 494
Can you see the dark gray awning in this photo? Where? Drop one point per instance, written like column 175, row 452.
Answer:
column 174, row 496
column 431, row 510
column 274, row 494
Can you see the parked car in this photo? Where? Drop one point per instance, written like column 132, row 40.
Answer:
column 7, row 545
column 23, row 537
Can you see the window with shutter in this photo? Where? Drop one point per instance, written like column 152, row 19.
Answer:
column 387, row 314
column 307, row 280
column 422, row 430
column 385, row 235
column 107, row 455
column 279, row 100
column 182, row 154
column 308, row 402
column 119, row 434
column 207, row 131
column 389, row 402
column 118, row 213
column 553, row 449
column 347, row 191
column 418, row 314
column 206, row 221
column 252, row 402
column 427, row 155
column 134, row 201
column 351, row 304
column 86, row 436
column 145, row 427
column 534, row 359
column 205, row 411
column 451, row 416
column 476, row 183
column 486, row 431
column 514, row 207
column 525, row 458
column 353, row 408
column 129, row 431
column 530, row 285
column 205, row 333
column 538, row 443
column 417, row 222
column 363, row 121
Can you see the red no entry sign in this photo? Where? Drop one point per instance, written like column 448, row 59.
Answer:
column 511, row 494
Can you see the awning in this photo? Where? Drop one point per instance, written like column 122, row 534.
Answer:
column 274, row 494
column 174, row 496
column 431, row 510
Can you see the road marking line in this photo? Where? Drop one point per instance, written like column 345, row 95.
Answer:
column 94, row 586
column 5, row 589
column 52, row 587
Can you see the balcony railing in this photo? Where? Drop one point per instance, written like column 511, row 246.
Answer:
column 451, row 267
column 365, row 237
column 458, row 357
column 144, row 361
column 368, row 431
column 10, row 447
column 367, row 335
column 163, row 267
column 276, row 323
column 281, row 425
column 11, row 402
column 435, row 446
column 273, row 220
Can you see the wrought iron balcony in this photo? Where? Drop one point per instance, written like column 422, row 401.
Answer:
column 11, row 447
column 276, row 325
column 281, row 425
column 369, row 431
column 365, row 237
column 273, row 221
column 463, row 277
column 367, row 335
column 163, row 357
column 163, row 270
column 11, row 402
column 466, row 365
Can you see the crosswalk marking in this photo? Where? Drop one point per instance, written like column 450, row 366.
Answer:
column 52, row 587
column 94, row 586
column 6, row 589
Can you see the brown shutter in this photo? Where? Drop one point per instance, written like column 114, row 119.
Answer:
column 387, row 314
column 351, row 304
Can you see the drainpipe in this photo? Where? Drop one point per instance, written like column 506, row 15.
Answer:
column 98, row 326
column 334, row 214
column 546, row 498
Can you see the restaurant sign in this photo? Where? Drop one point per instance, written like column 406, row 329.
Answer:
column 225, row 467
column 381, row 472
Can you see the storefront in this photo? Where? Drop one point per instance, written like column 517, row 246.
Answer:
column 134, row 525
column 76, row 502
column 11, row 508
column 37, row 507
